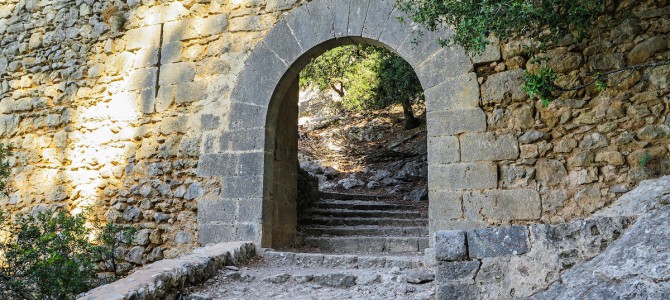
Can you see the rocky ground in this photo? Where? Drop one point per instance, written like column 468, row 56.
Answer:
column 366, row 153
column 262, row 279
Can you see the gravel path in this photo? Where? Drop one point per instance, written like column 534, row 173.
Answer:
column 260, row 280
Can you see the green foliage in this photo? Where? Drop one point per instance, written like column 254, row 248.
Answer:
column 540, row 84
column 53, row 255
column 46, row 256
column 364, row 76
column 476, row 20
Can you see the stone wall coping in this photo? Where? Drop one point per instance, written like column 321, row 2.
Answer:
column 153, row 281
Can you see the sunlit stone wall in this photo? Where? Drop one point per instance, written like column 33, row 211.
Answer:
column 108, row 105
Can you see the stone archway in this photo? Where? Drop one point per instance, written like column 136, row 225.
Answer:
column 248, row 161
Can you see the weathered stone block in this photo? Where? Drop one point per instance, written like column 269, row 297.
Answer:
column 492, row 242
column 165, row 98
column 491, row 52
column 502, row 205
column 445, row 205
column 250, row 210
column 244, row 116
column 340, row 17
column 263, row 69
column 191, row 92
column 432, row 72
column 177, row 73
column 146, row 100
column 551, row 172
column 212, row 233
column 505, row 86
column 395, row 31
column 376, row 19
column 463, row 176
column 321, row 17
column 243, row 140
column 242, row 187
column 246, row 23
column 144, row 37
column 222, row 211
column 141, row 79
column 458, row 271
column 488, row 146
column 456, row 93
column 418, row 48
column 443, row 149
column 285, row 44
column 300, row 23
column 358, row 9
column 457, row 291
column 456, row 121
column 450, row 245
column 171, row 52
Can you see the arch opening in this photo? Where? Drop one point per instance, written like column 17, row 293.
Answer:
column 281, row 151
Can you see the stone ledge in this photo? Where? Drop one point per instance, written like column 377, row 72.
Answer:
column 155, row 280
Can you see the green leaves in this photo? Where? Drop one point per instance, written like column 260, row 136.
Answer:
column 364, row 76
column 475, row 20
column 540, row 84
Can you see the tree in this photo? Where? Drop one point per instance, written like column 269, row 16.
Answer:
column 365, row 77
column 545, row 22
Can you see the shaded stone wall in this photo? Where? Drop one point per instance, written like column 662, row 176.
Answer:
column 163, row 113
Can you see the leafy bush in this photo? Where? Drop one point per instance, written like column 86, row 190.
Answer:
column 53, row 255
column 366, row 77
column 476, row 20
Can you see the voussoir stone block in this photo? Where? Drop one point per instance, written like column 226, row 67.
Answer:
column 501, row 241
column 340, row 17
column 283, row 42
column 358, row 9
column 433, row 71
column 456, row 121
column 488, row 146
column 455, row 93
column 377, row 16
column 418, row 48
column 395, row 32
column 450, row 245
column 300, row 23
column 463, row 176
column 322, row 20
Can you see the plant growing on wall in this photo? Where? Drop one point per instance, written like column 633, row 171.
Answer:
column 545, row 22
column 52, row 254
column 366, row 77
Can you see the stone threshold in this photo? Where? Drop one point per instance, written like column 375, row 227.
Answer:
column 157, row 280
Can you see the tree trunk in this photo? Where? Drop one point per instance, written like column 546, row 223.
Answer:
column 411, row 121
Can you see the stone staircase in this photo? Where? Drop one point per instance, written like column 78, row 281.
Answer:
column 358, row 224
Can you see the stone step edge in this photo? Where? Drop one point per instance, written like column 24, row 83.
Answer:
column 155, row 280
column 345, row 196
column 342, row 261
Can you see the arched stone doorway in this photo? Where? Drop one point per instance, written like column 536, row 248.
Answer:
column 256, row 156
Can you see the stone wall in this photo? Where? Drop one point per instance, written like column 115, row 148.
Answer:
column 161, row 113
column 110, row 103
column 589, row 146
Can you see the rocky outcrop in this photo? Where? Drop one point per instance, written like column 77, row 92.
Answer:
column 620, row 252
column 637, row 265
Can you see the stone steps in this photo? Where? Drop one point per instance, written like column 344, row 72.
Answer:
column 370, row 230
column 368, row 244
column 341, row 261
column 367, row 213
column 364, row 224
column 330, row 221
column 360, row 205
